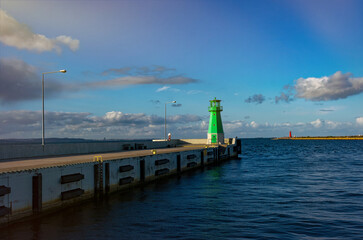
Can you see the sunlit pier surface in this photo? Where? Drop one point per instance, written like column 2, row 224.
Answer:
column 57, row 161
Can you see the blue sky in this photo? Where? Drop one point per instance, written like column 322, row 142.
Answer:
column 276, row 65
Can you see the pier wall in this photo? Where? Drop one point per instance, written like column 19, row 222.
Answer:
column 13, row 151
column 30, row 192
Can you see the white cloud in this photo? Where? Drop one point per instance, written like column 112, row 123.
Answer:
column 359, row 121
column 327, row 88
column 73, row 44
column 254, row 124
column 336, row 86
column 317, row 123
column 329, row 125
column 162, row 88
column 19, row 35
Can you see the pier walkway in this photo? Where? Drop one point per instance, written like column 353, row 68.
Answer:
column 13, row 165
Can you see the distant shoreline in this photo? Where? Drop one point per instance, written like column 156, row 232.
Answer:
column 321, row 138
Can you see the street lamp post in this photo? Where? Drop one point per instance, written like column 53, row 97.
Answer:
column 165, row 119
column 43, row 132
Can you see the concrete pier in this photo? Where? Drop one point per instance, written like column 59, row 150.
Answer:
column 32, row 185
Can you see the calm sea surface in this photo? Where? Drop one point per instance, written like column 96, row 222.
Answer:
column 279, row 190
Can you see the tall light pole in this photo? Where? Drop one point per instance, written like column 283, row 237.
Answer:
column 43, row 132
column 165, row 119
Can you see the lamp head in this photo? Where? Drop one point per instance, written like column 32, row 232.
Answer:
column 173, row 101
column 63, row 71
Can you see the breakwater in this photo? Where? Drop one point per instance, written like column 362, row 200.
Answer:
column 32, row 186
column 319, row 138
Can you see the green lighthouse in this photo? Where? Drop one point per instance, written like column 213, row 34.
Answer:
column 215, row 130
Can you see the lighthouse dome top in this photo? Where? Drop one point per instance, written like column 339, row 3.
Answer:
column 215, row 100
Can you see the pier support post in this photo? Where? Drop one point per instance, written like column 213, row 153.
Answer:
column 37, row 193
column 202, row 157
column 142, row 170
column 95, row 180
column 239, row 146
column 178, row 164
column 107, row 178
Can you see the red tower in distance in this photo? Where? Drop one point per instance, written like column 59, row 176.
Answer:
column 290, row 134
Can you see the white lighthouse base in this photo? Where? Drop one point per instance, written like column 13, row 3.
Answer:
column 215, row 138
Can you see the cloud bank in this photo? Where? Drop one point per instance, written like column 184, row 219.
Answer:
column 114, row 124
column 119, row 125
column 19, row 35
column 318, row 127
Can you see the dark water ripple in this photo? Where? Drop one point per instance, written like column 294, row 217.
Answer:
column 279, row 190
